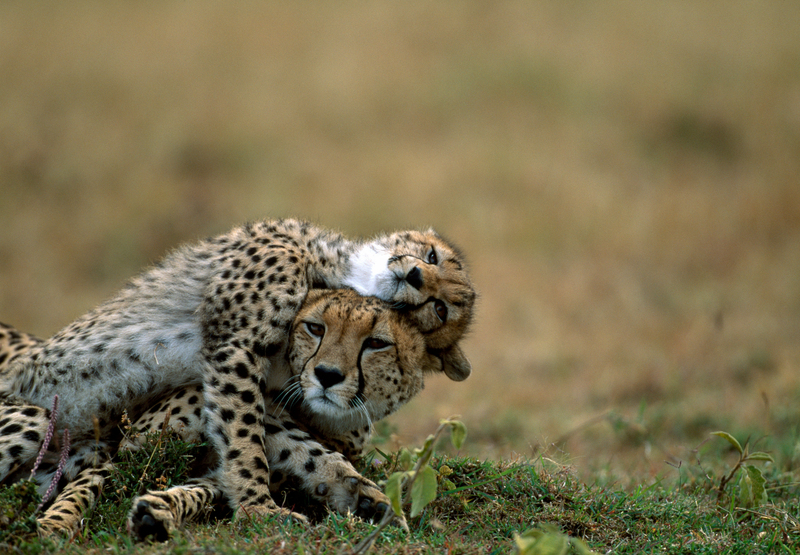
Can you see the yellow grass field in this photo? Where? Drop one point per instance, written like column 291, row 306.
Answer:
column 624, row 176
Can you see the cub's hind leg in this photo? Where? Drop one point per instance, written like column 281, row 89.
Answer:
column 65, row 514
column 180, row 410
column 22, row 431
column 83, row 475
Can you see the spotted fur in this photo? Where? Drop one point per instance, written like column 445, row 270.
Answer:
column 351, row 361
column 218, row 313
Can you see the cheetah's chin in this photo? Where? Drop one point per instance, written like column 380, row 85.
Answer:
column 323, row 407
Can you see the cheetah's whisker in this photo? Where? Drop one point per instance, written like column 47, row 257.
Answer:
column 359, row 404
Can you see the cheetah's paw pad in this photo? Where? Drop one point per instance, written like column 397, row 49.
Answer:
column 151, row 516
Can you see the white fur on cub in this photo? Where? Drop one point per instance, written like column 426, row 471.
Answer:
column 369, row 273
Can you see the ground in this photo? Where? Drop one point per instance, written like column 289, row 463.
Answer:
column 623, row 177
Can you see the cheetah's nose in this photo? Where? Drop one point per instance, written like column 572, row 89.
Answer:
column 328, row 377
column 414, row 278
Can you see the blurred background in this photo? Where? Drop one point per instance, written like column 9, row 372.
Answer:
column 623, row 175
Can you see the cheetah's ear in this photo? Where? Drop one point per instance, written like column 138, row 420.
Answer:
column 455, row 364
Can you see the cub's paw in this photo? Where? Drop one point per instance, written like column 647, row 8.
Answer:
column 151, row 516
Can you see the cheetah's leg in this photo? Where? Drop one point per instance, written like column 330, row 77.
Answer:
column 65, row 514
column 245, row 328
column 324, row 474
column 234, row 405
column 22, row 431
column 158, row 513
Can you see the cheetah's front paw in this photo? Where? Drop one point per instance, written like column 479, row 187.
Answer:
column 151, row 516
column 356, row 495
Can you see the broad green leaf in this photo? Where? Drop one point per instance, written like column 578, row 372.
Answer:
column 548, row 543
column 394, row 491
column 458, row 433
column 760, row 456
column 423, row 491
column 527, row 540
column 524, row 543
column 745, row 493
column 731, row 440
column 757, row 483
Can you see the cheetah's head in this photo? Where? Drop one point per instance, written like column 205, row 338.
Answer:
column 435, row 292
column 354, row 360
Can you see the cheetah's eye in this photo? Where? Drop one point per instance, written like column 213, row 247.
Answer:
column 317, row 330
column 375, row 343
column 432, row 258
column 441, row 310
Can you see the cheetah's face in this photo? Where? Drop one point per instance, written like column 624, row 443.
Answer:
column 439, row 297
column 355, row 360
column 421, row 274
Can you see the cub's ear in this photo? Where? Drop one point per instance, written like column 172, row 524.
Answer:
column 452, row 361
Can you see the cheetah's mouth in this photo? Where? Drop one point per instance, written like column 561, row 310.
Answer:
column 405, row 281
column 323, row 403
column 353, row 414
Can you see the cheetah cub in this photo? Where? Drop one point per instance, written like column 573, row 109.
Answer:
column 218, row 313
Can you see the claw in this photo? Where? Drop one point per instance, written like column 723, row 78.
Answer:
column 380, row 509
column 142, row 524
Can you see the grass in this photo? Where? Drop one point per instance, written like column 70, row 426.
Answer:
column 483, row 506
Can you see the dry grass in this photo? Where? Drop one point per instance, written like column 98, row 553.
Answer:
column 624, row 176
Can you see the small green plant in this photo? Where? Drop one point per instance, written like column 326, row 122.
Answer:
column 161, row 461
column 18, row 506
column 417, row 477
column 751, row 491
